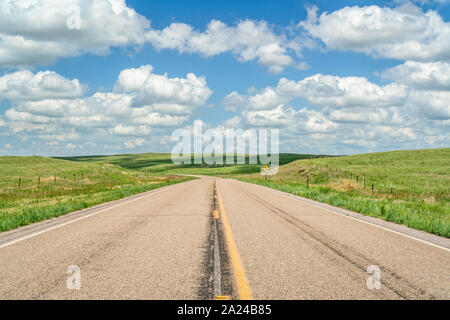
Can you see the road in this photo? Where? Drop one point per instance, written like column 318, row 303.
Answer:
column 210, row 237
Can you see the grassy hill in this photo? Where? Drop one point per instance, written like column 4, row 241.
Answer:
column 409, row 187
column 52, row 187
column 161, row 163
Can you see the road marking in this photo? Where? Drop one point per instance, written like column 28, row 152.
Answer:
column 223, row 298
column 81, row 218
column 243, row 287
column 298, row 198
column 217, row 270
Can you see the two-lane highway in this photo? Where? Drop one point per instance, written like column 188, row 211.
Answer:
column 160, row 245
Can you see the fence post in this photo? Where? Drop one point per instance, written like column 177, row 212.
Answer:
column 372, row 187
column 39, row 182
column 307, row 181
column 364, row 182
column 20, row 180
column 74, row 177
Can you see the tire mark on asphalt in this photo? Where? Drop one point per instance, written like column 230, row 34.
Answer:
column 391, row 280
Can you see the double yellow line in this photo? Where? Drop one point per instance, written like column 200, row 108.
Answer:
column 242, row 285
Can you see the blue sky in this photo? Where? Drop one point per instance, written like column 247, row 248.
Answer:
column 109, row 76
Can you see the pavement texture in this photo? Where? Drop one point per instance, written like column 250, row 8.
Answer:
column 160, row 245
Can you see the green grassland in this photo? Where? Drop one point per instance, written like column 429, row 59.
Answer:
column 52, row 187
column 419, row 180
column 410, row 187
column 161, row 163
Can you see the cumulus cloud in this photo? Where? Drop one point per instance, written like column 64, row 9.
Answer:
column 325, row 91
column 405, row 32
column 278, row 116
column 131, row 144
column 345, row 114
column 39, row 31
column 248, row 40
column 290, row 120
column 433, row 104
column 159, row 92
column 419, row 75
column 54, row 109
column 334, row 91
column 122, row 130
column 25, row 85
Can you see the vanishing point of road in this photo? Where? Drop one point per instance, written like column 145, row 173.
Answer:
column 212, row 237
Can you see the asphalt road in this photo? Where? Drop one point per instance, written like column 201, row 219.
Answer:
column 206, row 237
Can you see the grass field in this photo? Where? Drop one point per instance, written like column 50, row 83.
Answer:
column 409, row 187
column 52, row 187
column 161, row 163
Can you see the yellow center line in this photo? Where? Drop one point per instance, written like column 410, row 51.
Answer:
column 242, row 285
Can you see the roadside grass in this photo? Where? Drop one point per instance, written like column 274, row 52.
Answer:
column 410, row 187
column 50, row 187
column 77, row 186
column 420, row 182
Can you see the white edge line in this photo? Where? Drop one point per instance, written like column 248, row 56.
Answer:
column 298, row 198
column 78, row 219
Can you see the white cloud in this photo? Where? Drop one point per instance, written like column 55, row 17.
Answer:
column 41, row 31
column 17, row 116
column 24, row 85
column 73, row 146
column 291, row 121
column 159, row 92
column 405, row 32
column 324, row 91
column 234, row 122
column 131, row 144
column 334, row 91
column 359, row 116
column 53, row 110
column 287, row 119
column 160, row 120
column 418, row 75
column 433, row 104
column 37, row 32
column 278, row 116
column 346, row 114
column 67, row 136
column 122, row 130
column 248, row 40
